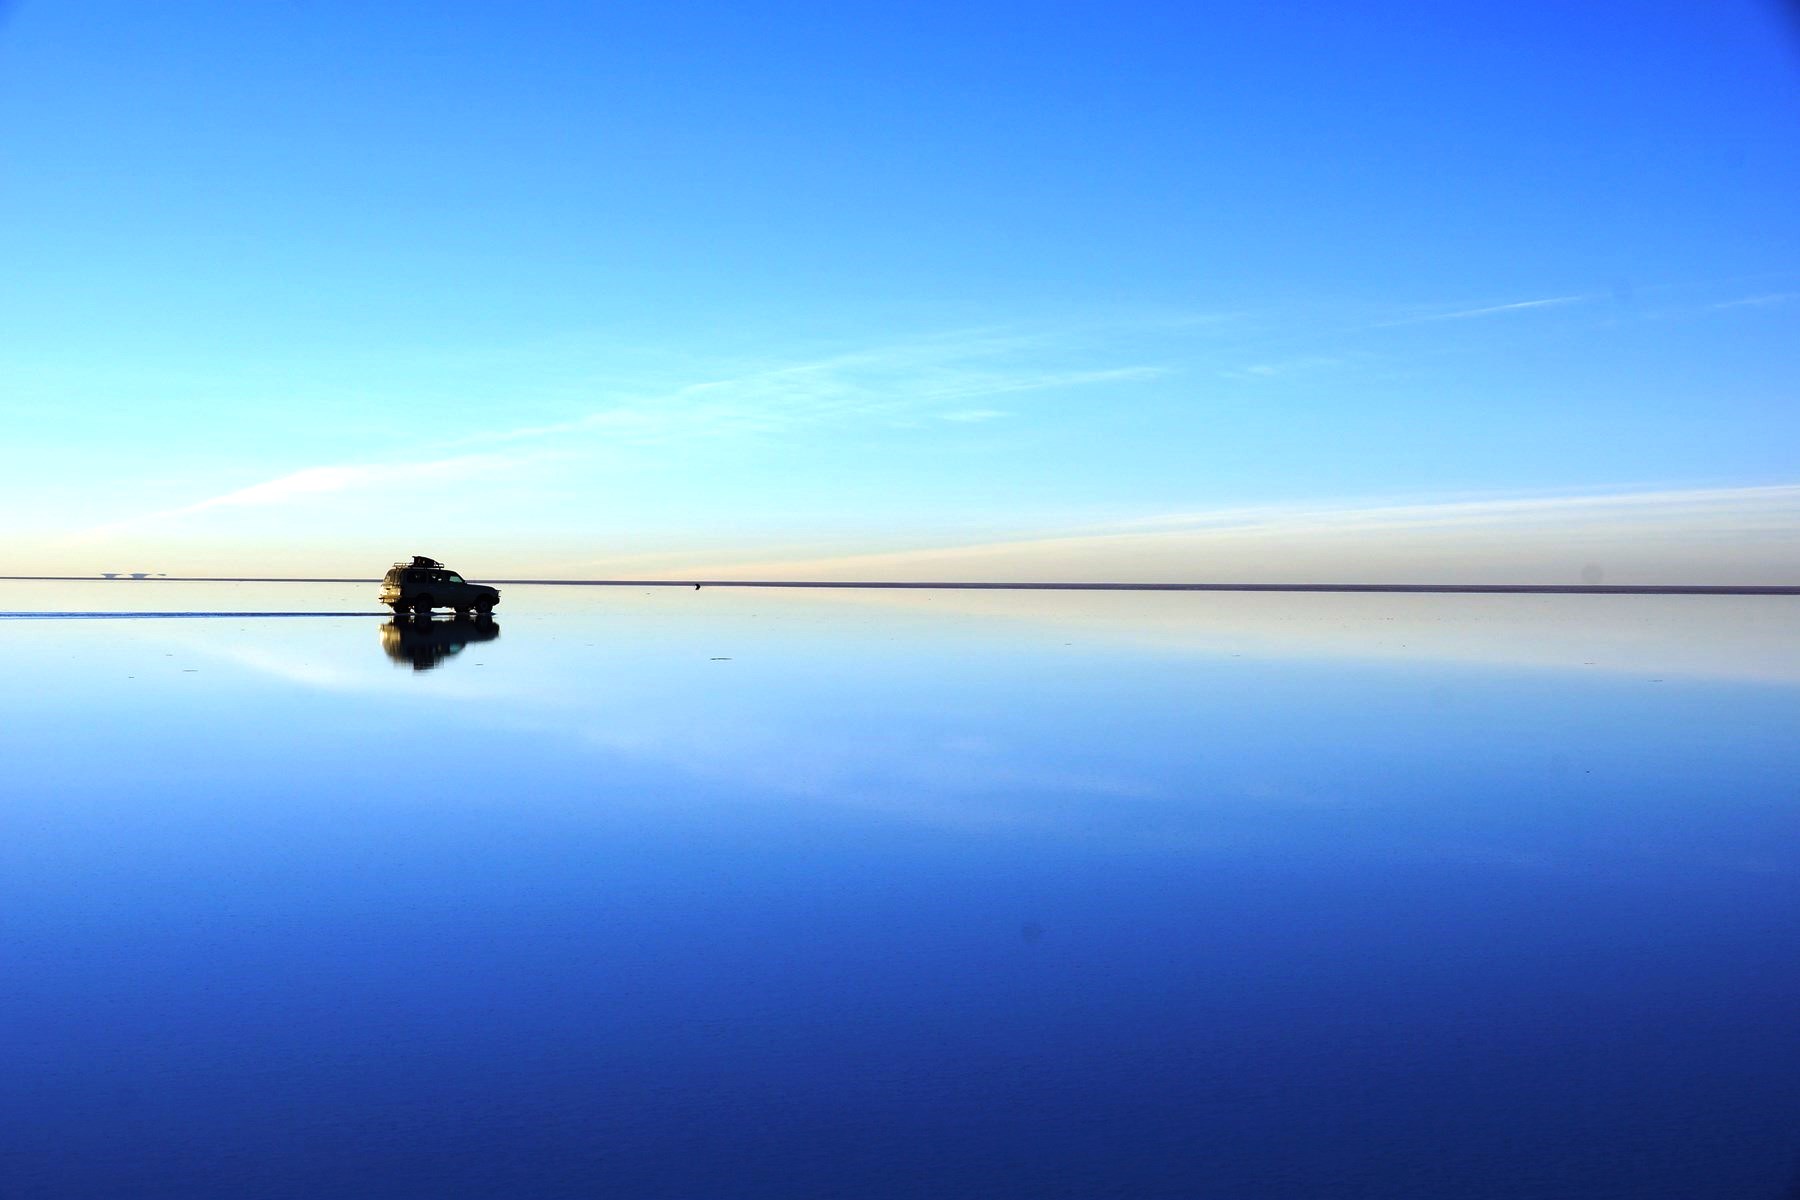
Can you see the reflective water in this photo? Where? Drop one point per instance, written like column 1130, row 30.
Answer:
column 774, row 895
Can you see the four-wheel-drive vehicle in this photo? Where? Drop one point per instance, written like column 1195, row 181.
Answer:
column 423, row 584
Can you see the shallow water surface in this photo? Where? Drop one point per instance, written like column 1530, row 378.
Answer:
column 723, row 893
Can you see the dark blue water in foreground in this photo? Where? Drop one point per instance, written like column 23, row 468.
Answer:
column 709, row 895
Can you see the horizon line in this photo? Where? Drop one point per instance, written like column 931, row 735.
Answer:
column 1558, row 589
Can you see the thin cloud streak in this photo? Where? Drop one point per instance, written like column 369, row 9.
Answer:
column 1490, row 310
column 1762, row 301
column 1292, row 366
column 1779, row 498
column 1690, row 530
column 895, row 383
column 312, row 482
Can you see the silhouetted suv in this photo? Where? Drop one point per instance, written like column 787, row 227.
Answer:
column 423, row 584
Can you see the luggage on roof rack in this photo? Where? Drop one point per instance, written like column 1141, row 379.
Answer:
column 419, row 560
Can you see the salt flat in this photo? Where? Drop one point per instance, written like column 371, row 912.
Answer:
column 665, row 893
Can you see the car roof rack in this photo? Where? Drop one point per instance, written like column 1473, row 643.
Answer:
column 419, row 560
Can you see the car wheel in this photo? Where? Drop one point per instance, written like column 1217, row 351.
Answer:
column 423, row 606
column 485, row 608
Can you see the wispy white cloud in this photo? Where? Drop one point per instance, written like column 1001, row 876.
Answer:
column 1488, row 310
column 314, row 482
column 1762, row 301
column 1667, row 536
column 899, row 382
column 1782, row 499
column 1291, row 366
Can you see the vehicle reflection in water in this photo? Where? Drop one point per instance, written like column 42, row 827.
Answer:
column 425, row 643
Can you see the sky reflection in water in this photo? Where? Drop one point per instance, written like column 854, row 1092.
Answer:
column 734, row 893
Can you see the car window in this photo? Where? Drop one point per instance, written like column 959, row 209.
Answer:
column 453, row 577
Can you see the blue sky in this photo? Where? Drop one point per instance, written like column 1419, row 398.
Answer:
column 1061, row 291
